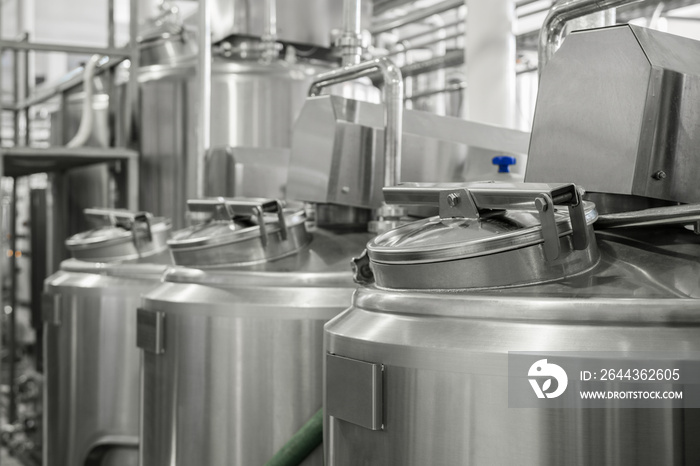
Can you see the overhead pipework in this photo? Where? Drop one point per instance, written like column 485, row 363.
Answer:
column 393, row 101
column 350, row 41
column 552, row 31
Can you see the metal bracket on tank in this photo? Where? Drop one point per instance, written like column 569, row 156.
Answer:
column 51, row 308
column 473, row 200
column 237, row 207
column 150, row 330
column 355, row 391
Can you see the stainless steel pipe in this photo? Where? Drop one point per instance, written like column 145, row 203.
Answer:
column 393, row 100
column 563, row 11
column 416, row 15
column 350, row 41
column 204, row 93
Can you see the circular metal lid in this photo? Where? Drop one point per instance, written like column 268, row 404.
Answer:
column 487, row 235
column 240, row 231
column 437, row 239
column 119, row 235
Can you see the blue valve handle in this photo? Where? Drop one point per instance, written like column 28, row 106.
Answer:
column 503, row 162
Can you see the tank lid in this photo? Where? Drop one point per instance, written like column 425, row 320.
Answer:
column 240, row 231
column 487, row 234
column 119, row 235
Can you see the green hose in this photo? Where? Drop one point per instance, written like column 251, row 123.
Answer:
column 301, row 444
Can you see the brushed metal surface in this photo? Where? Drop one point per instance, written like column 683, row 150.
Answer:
column 243, row 360
column 445, row 356
column 337, row 143
column 91, row 397
column 306, row 22
column 354, row 391
column 254, row 106
column 616, row 107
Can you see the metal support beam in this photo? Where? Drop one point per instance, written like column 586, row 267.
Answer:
column 204, row 93
column 12, row 411
column 75, row 49
column 130, row 106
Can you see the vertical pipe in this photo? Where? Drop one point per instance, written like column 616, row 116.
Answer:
column 12, row 411
column 204, row 94
column 132, row 86
column 352, row 11
column 110, row 24
column 490, row 59
column 111, row 41
column 27, row 91
column 16, row 79
column 2, row 95
column 350, row 41
column 270, row 31
column 490, row 72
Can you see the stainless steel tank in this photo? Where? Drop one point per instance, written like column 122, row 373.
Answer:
column 91, row 395
column 303, row 22
column 232, row 343
column 419, row 368
column 254, row 105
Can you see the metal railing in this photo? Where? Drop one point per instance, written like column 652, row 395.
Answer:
column 21, row 106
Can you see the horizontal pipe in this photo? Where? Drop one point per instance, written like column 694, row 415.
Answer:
column 74, row 49
column 451, row 88
column 73, row 80
column 414, row 16
column 431, row 30
column 427, row 43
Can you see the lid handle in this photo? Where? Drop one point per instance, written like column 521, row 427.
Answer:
column 139, row 223
column 471, row 200
column 237, row 207
column 678, row 214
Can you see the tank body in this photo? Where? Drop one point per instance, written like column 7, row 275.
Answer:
column 445, row 358
column 92, row 362
column 240, row 370
column 253, row 108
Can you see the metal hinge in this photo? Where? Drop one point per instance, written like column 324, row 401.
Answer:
column 150, row 331
column 51, row 308
column 354, row 391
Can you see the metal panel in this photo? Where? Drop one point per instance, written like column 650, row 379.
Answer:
column 337, row 146
column 149, row 333
column 630, row 129
column 354, row 391
column 51, row 308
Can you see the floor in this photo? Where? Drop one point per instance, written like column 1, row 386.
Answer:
column 6, row 460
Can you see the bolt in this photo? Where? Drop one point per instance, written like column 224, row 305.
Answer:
column 660, row 175
column 540, row 204
column 453, row 199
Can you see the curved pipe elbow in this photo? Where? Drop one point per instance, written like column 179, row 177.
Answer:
column 393, row 101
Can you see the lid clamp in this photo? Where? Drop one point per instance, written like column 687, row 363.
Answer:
column 138, row 223
column 244, row 207
column 474, row 200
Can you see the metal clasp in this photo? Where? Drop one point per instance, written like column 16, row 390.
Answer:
column 139, row 223
column 473, row 200
column 238, row 207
